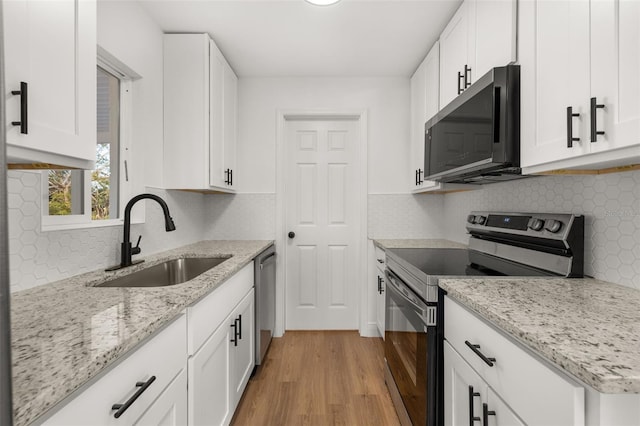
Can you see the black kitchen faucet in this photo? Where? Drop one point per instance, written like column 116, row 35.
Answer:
column 126, row 249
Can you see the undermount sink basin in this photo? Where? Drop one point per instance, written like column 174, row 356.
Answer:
column 171, row 272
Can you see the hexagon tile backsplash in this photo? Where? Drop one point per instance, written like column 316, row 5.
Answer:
column 610, row 203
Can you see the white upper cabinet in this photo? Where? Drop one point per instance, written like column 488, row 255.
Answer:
column 456, row 53
column 425, row 88
column 50, row 47
column 424, row 105
column 200, row 115
column 480, row 36
column 580, row 91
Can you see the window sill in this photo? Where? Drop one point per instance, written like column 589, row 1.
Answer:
column 86, row 225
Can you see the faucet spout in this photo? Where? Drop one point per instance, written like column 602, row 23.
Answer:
column 126, row 250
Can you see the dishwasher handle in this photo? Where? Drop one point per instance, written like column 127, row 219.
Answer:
column 268, row 259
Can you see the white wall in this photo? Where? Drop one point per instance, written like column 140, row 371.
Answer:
column 127, row 32
column 385, row 99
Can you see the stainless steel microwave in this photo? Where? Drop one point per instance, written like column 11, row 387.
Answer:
column 476, row 137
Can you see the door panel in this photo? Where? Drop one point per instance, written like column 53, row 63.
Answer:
column 554, row 44
column 321, row 210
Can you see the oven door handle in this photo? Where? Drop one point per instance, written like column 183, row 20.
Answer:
column 426, row 313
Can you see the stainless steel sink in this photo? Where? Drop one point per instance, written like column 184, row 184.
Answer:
column 171, row 272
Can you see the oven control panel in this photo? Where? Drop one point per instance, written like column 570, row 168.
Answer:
column 541, row 225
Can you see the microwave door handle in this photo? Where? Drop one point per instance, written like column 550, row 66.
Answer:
column 496, row 114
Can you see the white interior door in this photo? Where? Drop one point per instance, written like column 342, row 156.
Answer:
column 321, row 210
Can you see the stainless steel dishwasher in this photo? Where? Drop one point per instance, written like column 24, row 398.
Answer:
column 265, row 288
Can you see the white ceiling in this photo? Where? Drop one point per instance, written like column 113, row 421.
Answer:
column 295, row 38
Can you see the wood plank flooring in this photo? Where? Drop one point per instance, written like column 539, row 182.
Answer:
column 319, row 378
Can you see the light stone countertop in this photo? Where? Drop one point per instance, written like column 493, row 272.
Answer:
column 65, row 333
column 586, row 327
column 417, row 243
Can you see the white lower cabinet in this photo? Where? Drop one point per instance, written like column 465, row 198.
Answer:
column 530, row 390
column 242, row 351
column 192, row 372
column 155, row 365
column 220, row 370
column 209, row 379
column 170, row 409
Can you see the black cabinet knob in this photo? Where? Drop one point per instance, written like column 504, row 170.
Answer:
column 292, row 234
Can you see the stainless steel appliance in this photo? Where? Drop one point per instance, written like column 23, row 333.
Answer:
column 476, row 137
column 6, row 408
column 500, row 244
column 265, row 287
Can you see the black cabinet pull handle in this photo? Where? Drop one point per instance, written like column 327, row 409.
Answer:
column 420, row 180
column 234, row 339
column 570, row 138
column 124, row 407
column 230, row 177
column 239, row 327
column 472, row 395
column 467, row 71
column 24, row 108
column 594, row 122
column 486, row 413
column 476, row 350
column 460, row 77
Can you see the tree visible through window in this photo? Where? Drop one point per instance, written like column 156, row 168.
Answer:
column 68, row 192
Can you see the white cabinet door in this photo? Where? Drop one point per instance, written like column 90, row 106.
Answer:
column 170, row 409
column 554, row 56
column 230, row 122
column 51, row 46
column 216, row 116
column 210, row 380
column 380, row 302
column 495, row 35
column 200, row 114
column 418, row 118
column 615, row 71
column 425, row 88
column 582, row 54
column 243, row 349
column 455, row 51
column 464, row 390
column 496, row 413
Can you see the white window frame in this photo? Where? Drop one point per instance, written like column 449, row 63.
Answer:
column 126, row 76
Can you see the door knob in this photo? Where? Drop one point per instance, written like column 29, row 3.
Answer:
column 292, row 234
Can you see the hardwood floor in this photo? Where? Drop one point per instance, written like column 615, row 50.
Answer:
column 319, row 378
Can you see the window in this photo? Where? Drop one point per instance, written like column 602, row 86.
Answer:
column 79, row 198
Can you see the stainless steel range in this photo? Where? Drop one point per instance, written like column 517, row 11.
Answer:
column 500, row 244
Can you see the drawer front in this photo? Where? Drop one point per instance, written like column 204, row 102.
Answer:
column 381, row 258
column 540, row 395
column 163, row 356
column 206, row 316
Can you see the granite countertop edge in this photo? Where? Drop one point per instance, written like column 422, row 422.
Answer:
column 601, row 373
column 173, row 300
